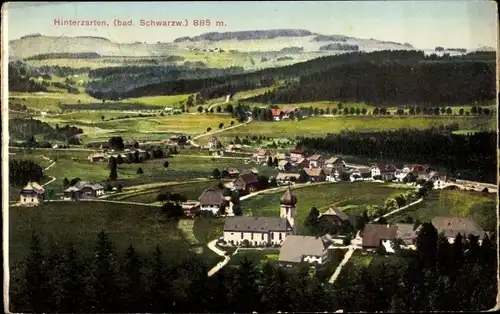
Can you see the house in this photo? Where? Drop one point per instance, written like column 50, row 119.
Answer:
column 246, row 182
column 407, row 233
column 297, row 154
column 289, row 113
column 400, row 175
column 316, row 161
column 376, row 235
column 232, row 172
column 301, row 164
column 297, row 249
column 361, row 173
column 277, row 114
column 416, row 169
column 214, row 143
column 262, row 156
column 315, row 174
column 96, row 157
column 241, row 230
column 335, row 163
column 332, row 216
column 212, row 199
column 84, row 190
column 452, row 226
column 285, row 178
column 233, row 148
column 386, row 171
column 179, row 139
column 32, row 194
column 284, row 165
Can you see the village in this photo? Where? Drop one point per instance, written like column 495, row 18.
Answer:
column 333, row 229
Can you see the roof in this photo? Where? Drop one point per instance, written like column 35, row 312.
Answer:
column 71, row 189
column 87, row 184
column 374, row 233
column 405, row 231
column 333, row 160
column 232, row 170
column 297, row 151
column 96, row 155
column 314, row 171
column 315, row 157
column 213, row 139
column 256, row 224
column 33, row 186
column 276, row 112
column 288, row 198
column 335, row 212
column 303, row 160
column 295, row 247
column 248, row 178
column 286, row 176
column 212, row 196
column 363, row 170
column 452, row 226
column 289, row 109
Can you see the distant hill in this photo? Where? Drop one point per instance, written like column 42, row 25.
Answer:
column 247, row 35
column 258, row 41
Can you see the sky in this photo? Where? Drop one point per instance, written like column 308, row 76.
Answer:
column 424, row 24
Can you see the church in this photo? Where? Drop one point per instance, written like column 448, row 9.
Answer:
column 250, row 230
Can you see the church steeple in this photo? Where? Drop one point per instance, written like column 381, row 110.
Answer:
column 288, row 209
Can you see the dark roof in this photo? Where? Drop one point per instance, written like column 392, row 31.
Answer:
column 288, row 198
column 297, row 151
column 211, row 196
column 88, row 184
column 314, row 172
column 374, row 233
column 256, row 224
column 248, row 178
column 386, row 167
column 315, row 157
column 333, row 211
column 452, row 226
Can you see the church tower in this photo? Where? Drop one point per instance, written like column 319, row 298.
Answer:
column 288, row 209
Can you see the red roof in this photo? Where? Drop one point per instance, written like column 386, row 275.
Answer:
column 298, row 151
column 276, row 112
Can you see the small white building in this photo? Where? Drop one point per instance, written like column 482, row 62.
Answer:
column 212, row 199
column 32, row 194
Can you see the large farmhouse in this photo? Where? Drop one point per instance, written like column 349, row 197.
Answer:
column 84, row 190
column 246, row 230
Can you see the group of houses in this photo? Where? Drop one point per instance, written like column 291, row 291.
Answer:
column 281, row 232
column 33, row 193
column 319, row 168
column 287, row 113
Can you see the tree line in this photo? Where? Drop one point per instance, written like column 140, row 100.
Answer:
column 23, row 128
column 22, row 171
column 435, row 146
column 437, row 276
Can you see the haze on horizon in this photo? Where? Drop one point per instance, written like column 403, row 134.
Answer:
column 424, row 24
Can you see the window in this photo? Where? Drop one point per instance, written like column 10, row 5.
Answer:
column 280, row 235
column 241, row 235
column 272, row 235
column 262, row 236
column 232, row 233
column 251, row 236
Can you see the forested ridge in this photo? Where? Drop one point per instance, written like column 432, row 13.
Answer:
column 25, row 128
column 437, row 276
column 391, row 77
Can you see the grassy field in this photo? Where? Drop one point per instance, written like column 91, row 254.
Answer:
column 160, row 101
column 157, row 127
column 353, row 197
column 80, row 222
column 478, row 206
column 191, row 190
column 48, row 101
column 320, row 126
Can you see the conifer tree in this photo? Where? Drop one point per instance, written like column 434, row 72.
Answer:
column 132, row 281
column 68, row 294
column 36, row 276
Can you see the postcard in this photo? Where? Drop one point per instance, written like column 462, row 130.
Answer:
column 248, row 157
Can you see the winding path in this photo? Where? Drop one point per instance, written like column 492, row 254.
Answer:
column 192, row 142
column 212, row 246
column 52, row 179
